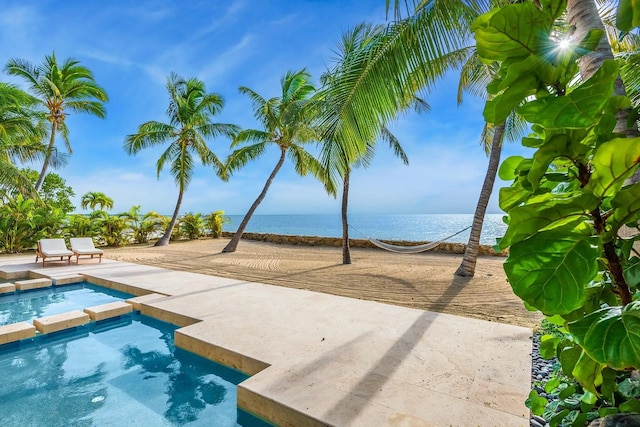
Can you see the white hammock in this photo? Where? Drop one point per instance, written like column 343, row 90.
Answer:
column 407, row 249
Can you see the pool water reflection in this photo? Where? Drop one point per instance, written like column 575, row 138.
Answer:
column 119, row 372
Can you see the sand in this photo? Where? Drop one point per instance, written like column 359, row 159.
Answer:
column 424, row 281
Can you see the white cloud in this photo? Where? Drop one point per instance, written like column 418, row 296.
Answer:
column 227, row 62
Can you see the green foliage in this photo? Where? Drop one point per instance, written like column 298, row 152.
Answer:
column 82, row 226
column 566, row 206
column 628, row 15
column 213, row 223
column 17, row 219
column 96, row 200
column 114, row 230
column 192, row 225
column 24, row 221
column 54, row 192
column 145, row 226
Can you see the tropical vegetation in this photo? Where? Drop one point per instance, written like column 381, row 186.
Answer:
column 190, row 112
column 572, row 210
column 57, row 88
column 570, row 201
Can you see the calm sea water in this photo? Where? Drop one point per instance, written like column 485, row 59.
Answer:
column 393, row 227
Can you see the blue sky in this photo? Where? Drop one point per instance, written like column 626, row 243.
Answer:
column 132, row 46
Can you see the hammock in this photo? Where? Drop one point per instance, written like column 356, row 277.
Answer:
column 407, row 249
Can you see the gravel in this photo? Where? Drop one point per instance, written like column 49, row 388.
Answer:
column 541, row 369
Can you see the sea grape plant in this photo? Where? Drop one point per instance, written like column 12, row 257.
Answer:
column 569, row 201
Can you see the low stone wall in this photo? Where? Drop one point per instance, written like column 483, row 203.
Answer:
column 453, row 248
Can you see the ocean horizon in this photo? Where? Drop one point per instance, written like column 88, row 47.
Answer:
column 409, row 227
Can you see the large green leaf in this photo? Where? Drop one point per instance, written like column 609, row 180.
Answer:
column 510, row 197
column 611, row 335
column 632, row 272
column 588, row 372
column 614, row 161
column 628, row 15
column 511, row 31
column 568, row 356
column 581, row 108
column 525, row 221
column 551, row 269
column 626, row 209
column 553, row 147
column 509, row 168
column 497, row 110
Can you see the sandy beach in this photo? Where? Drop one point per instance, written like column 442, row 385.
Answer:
column 423, row 281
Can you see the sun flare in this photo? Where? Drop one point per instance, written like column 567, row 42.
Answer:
column 564, row 44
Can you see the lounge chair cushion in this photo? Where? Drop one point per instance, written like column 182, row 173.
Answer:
column 54, row 248
column 84, row 246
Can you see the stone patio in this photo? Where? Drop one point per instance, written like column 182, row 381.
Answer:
column 320, row 359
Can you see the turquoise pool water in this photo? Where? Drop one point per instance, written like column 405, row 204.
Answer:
column 29, row 305
column 118, row 372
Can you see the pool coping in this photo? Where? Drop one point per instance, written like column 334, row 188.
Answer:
column 320, row 359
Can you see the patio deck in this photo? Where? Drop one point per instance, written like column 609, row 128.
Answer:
column 320, row 359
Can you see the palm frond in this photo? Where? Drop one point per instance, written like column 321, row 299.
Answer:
column 148, row 135
column 240, row 157
column 251, row 136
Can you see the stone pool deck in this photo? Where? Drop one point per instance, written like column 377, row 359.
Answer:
column 320, row 359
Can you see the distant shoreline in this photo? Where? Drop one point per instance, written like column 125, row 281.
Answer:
column 444, row 247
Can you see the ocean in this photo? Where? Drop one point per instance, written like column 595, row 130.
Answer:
column 417, row 228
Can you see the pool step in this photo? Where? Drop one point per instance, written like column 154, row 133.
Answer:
column 16, row 332
column 25, row 285
column 58, row 322
column 106, row 311
column 5, row 288
column 66, row 280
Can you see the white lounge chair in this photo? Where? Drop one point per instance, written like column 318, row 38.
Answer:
column 53, row 248
column 84, row 246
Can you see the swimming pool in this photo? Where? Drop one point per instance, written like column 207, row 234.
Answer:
column 117, row 372
column 28, row 305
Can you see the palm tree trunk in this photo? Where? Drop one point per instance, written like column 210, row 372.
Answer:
column 346, row 252
column 235, row 239
column 47, row 158
column 166, row 237
column 584, row 16
column 468, row 265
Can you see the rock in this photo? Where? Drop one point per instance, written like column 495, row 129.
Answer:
column 618, row 420
column 535, row 423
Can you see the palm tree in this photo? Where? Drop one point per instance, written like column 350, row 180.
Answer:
column 20, row 133
column 95, row 199
column 336, row 156
column 70, row 86
column 286, row 122
column 411, row 54
column 190, row 112
column 408, row 56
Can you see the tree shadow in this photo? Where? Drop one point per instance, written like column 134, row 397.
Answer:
column 384, row 368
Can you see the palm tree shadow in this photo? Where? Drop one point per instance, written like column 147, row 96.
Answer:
column 384, row 368
column 352, row 404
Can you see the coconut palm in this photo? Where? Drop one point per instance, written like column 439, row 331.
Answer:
column 58, row 88
column 336, row 157
column 96, row 199
column 408, row 56
column 411, row 54
column 286, row 122
column 190, row 113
